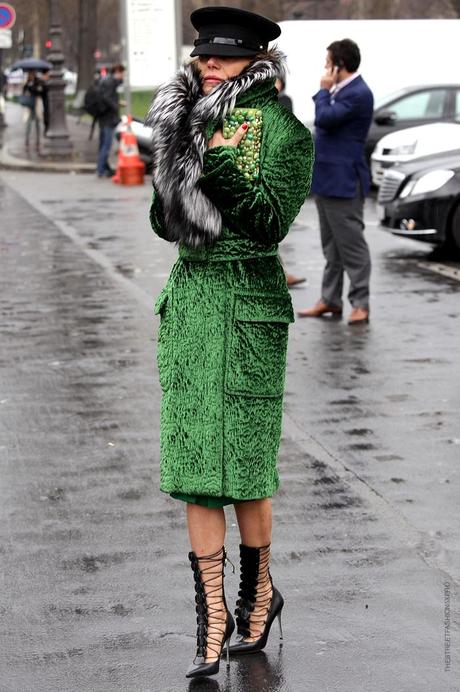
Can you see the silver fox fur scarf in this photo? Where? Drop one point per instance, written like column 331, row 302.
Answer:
column 178, row 116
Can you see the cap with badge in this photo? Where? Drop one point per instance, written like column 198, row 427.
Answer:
column 230, row 32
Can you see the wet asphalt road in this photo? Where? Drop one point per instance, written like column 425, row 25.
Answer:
column 96, row 593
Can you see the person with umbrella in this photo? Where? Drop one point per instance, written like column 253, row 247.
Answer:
column 31, row 91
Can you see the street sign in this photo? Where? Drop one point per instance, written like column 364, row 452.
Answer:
column 5, row 38
column 152, row 34
column 7, row 15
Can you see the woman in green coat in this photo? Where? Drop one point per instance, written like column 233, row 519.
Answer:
column 225, row 309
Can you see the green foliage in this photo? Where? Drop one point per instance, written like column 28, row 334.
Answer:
column 140, row 102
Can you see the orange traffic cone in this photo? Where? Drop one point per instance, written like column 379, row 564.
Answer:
column 130, row 168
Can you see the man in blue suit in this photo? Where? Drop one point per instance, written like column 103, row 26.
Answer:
column 343, row 114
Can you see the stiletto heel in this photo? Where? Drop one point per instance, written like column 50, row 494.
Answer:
column 256, row 592
column 280, row 625
column 227, row 647
column 208, row 572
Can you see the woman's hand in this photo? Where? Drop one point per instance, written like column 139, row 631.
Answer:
column 218, row 139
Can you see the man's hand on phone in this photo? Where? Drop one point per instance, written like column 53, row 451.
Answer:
column 329, row 78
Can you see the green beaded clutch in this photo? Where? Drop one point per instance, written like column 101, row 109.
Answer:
column 248, row 156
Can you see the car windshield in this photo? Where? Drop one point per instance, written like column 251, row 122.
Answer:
column 390, row 97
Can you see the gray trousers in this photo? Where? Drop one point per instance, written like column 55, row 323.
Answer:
column 345, row 249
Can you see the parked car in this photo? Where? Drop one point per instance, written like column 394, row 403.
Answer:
column 413, row 106
column 413, row 143
column 143, row 136
column 420, row 199
column 70, row 79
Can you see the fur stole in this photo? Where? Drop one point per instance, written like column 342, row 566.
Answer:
column 178, row 116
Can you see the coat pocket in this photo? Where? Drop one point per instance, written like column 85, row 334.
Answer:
column 165, row 338
column 257, row 343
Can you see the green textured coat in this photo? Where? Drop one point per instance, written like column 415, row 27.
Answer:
column 225, row 312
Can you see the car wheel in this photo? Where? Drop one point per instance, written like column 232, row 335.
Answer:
column 148, row 164
column 455, row 230
column 146, row 157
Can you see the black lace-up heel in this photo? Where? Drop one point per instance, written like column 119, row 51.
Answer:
column 259, row 601
column 215, row 623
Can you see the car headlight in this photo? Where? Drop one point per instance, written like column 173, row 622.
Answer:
column 427, row 183
column 403, row 149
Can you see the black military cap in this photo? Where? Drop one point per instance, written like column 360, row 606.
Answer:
column 228, row 31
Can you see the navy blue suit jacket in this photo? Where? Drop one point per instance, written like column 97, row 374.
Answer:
column 341, row 126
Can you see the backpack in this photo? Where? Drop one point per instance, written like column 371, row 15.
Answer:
column 94, row 101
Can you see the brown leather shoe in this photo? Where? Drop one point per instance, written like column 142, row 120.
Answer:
column 292, row 280
column 319, row 309
column 359, row 316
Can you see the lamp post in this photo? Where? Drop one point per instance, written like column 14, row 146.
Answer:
column 57, row 142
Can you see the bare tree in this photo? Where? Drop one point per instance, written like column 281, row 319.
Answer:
column 32, row 24
column 108, row 30
column 369, row 9
column 456, row 6
column 87, row 43
column 29, row 31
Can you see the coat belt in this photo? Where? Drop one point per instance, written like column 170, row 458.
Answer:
column 228, row 250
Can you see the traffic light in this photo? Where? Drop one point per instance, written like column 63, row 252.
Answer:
column 48, row 43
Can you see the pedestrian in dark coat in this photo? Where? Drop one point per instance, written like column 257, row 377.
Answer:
column 109, row 118
column 45, row 100
column 225, row 309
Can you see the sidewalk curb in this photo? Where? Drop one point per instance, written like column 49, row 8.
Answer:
column 12, row 163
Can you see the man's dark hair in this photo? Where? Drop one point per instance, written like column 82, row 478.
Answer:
column 345, row 53
column 117, row 68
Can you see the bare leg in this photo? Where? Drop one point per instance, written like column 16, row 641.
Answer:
column 255, row 523
column 206, row 529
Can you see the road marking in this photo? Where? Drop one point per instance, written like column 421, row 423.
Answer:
column 443, row 269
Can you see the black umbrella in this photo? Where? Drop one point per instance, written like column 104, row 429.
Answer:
column 31, row 64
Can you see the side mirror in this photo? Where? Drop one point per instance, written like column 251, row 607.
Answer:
column 385, row 118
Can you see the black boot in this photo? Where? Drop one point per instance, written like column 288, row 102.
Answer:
column 259, row 602
column 215, row 623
